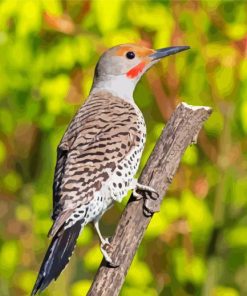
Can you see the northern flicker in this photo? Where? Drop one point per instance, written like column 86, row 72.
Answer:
column 99, row 154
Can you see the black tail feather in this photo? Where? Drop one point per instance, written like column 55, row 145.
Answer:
column 57, row 256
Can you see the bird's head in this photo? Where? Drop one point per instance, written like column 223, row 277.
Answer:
column 120, row 68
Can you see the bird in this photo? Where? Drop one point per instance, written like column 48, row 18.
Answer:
column 99, row 154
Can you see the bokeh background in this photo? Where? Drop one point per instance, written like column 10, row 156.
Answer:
column 197, row 244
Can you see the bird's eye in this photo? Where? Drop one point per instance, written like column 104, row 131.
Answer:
column 130, row 55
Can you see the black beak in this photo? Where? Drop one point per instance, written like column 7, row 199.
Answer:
column 164, row 52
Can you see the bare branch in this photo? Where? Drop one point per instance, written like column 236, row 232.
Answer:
column 182, row 129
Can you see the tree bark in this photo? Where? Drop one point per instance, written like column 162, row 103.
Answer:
column 181, row 131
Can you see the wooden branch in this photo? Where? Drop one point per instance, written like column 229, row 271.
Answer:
column 181, row 130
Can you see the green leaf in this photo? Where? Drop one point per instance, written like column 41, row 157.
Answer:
column 225, row 291
column 236, row 237
column 9, row 255
column 188, row 268
column 93, row 258
column 108, row 14
column 190, row 156
column 198, row 215
column 80, row 288
column 12, row 181
column 137, row 278
column 2, row 152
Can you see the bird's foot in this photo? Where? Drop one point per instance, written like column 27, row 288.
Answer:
column 106, row 249
column 154, row 194
column 151, row 203
column 144, row 188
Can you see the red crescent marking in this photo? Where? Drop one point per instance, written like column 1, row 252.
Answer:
column 132, row 73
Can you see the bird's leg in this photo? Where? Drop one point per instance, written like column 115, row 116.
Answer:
column 105, row 245
column 101, row 238
column 150, row 202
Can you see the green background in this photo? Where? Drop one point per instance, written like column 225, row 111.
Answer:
column 197, row 244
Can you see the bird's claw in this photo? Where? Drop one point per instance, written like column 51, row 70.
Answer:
column 106, row 248
column 148, row 189
column 151, row 206
column 137, row 195
column 147, row 212
column 151, row 203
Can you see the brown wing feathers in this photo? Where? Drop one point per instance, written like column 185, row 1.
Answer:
column 98, row 138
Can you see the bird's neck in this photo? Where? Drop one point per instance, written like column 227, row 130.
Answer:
column 119, row 85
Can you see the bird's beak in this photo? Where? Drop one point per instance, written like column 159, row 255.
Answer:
column 164, row 52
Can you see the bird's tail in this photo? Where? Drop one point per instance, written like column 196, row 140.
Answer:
column 57, row 256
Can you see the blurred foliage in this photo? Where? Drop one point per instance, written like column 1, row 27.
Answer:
column 197, row 244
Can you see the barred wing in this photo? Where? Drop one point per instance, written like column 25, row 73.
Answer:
column 102, row 133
